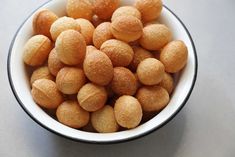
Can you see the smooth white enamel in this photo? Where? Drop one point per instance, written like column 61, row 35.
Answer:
column 22, row 87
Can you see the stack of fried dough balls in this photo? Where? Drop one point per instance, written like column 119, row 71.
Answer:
column 96, row 67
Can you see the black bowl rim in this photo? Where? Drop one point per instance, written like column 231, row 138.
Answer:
column 106, row 142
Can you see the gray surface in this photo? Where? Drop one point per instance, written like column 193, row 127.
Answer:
column 205, row 126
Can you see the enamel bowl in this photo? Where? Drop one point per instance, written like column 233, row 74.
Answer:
column 19, row 82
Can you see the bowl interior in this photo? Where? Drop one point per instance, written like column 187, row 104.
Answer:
column 20, row 82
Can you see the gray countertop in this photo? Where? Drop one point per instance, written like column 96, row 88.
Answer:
column 205, row 126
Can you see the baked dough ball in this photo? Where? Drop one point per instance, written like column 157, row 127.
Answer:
column 150, row 71
column 127, row 28
column 101, row 34
column 92, row 97
column 126, row 10
column 104, row 120
column 98, row 68
column 150, row 9
column 63, row 24
column 71, row 47
column 128, row 112
column 124, row 81
column 105, row 8
column 155, row 36
column 36, row 50
column 174, row 56
column 152, row 98
column 46, row 94
column 119, row 52
column 71, row 114
column 79, row 9
column 70, row 79
column 42, row 22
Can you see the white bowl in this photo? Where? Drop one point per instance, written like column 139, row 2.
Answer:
column 19, row 82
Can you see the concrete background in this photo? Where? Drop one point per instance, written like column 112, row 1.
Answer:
column 205, row 126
